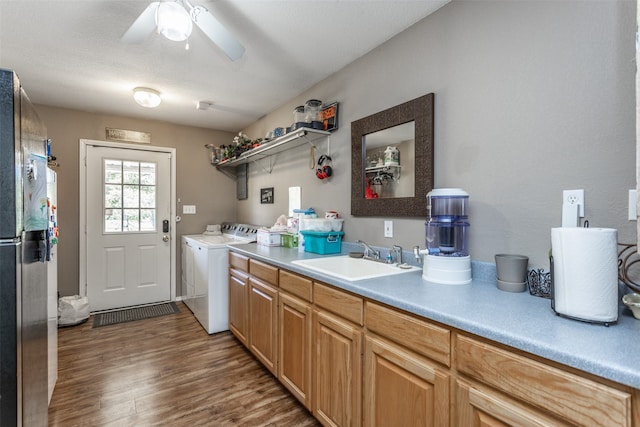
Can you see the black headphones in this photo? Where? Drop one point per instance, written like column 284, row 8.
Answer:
column 324, row 169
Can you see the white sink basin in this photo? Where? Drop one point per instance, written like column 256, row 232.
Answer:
column 347, row 268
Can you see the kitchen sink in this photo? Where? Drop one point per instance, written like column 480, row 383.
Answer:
column 348, row 268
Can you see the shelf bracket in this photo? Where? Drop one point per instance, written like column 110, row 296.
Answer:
column 271, row 163
column 328, row 153
column 228, row 172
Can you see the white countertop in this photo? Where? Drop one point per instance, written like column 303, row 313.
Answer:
column 519, row 320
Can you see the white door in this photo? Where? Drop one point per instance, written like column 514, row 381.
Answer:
column 128, row 242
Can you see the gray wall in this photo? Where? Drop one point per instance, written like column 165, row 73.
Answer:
column 531, row 98
column 197, row 182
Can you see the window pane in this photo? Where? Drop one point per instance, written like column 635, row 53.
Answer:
column 131, row 220
column 131, row 196
column 129, row 186
column 112, row 196
column 148, row 173
column 112, row 171
column 112, row 220
column 131, row 172
column 147, row 196
column 147, row 219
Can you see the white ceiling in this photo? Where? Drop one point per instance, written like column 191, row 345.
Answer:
column 68, row 53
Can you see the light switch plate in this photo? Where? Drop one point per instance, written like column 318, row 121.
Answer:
column 388, row 229
column 188, row 209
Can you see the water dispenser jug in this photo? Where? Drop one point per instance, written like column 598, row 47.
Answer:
column 447, row 237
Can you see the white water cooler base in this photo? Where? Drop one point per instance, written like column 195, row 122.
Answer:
column 447, row 270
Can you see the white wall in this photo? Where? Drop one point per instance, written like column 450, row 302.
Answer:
column 531, row 97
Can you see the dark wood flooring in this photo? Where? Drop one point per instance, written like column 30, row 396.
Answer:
column 165, row 371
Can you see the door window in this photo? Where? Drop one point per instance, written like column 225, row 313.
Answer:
column 129, row 189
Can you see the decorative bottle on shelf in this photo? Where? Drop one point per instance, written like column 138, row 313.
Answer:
column 391, row 156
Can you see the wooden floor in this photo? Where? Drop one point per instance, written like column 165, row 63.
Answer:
column 165, row 371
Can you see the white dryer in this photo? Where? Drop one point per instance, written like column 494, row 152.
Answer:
column 205, row 273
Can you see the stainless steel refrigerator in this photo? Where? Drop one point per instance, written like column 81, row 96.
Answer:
column 23, row 272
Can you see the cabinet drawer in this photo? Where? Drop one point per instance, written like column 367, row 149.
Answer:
column 569, row 396
column 263, row 271
column 424, row 338
column 240, row 275
column 238, row 261
column 341, row 303
column 295, row 285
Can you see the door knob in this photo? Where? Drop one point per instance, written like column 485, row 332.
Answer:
column 165, row 238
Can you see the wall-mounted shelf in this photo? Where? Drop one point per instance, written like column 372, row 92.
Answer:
column 277, row 145
column 393, row 170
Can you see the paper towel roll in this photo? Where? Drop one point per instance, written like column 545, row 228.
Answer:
column 585, row 273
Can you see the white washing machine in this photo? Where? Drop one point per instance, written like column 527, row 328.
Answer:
column 205, row 273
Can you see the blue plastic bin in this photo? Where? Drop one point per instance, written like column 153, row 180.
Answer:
column 322, row 242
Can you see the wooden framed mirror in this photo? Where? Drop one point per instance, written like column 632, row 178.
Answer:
column 368, row 135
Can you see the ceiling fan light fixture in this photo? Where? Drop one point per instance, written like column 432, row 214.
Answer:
column 173, row 21
column 148, row 98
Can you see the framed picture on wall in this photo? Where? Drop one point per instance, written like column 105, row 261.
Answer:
column 330, row 116
column 266, row 195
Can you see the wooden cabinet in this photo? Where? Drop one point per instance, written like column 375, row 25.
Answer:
column 265, row 272
column 294, row 335
column 239, row 262
column 295, row 347
column 338, row 359
column 263, row 323
column 239, row 297
column 402, row 387
column 534, row 389
column 239, row 305
column 253, row 307
column 354, row 362
column 263, row 313
column 479, row 406
column 418, row 335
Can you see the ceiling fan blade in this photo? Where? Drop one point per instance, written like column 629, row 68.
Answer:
column 142, row 26
column 217, row 32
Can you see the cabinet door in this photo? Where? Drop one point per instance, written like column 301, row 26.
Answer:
column 263, row 323
column 478, row 406
column 295, row 347
column 402, row 388
column 338, row 362
column 239, row 305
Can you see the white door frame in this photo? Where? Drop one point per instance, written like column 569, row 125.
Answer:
column 82, row 284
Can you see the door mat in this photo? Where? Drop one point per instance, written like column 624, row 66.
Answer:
column 131, row 314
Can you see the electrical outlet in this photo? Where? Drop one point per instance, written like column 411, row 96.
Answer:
column 574, row 197
column 388, row 229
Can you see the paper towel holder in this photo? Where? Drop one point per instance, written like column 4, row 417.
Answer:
column 553, row 305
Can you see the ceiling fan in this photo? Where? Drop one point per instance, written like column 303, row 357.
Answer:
column 174, row 19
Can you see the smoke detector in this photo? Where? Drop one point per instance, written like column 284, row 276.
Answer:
column 204, row 105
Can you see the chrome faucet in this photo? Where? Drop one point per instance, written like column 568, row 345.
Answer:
column 398, row 250
column 369, row 252
column 416, row 253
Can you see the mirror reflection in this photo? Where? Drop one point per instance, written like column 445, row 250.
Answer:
column 392, row 198
column 390, row 162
